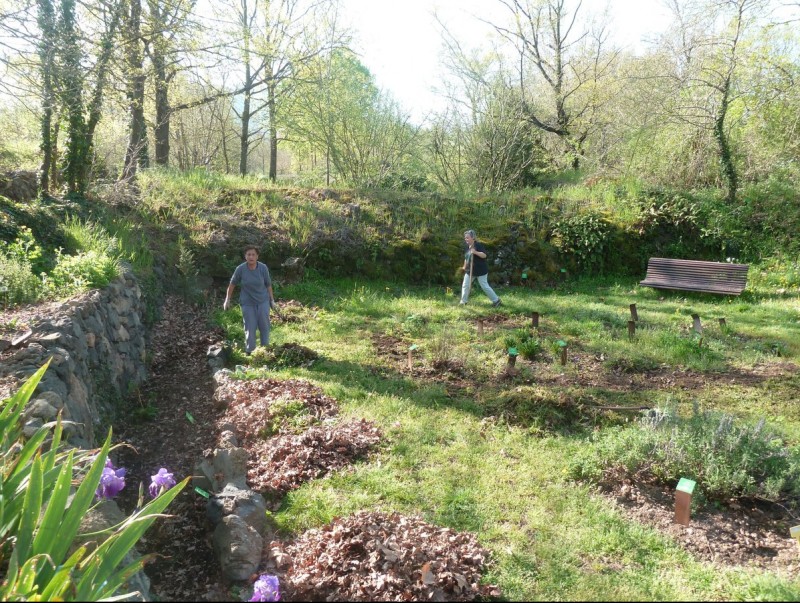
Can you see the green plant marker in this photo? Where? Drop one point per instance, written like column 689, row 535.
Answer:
column 412, row 347
column 562, row 343
column 563, row 270
column 190, row 417
column 202, row 492
column 524, row 276
column 512, row 351
column 686, row 485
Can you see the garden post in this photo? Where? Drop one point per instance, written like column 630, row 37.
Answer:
column 683, row 500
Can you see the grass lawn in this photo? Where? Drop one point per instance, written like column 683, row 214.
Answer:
column 450, row 460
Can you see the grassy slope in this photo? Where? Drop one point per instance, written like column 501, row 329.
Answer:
column 552, row 539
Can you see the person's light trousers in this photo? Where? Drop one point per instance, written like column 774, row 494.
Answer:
column 255, row 317
column 483, row 281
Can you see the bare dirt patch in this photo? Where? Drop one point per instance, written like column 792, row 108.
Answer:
column 590, row 370
column 745, row 533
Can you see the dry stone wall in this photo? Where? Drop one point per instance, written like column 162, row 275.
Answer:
column 97, row 345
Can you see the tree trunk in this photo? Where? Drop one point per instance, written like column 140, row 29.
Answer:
column 71, row 89
column 46, row 18
column 244, row 138
column 162, row 106
column 136, row 154
column 273, row 134
column 725, row 155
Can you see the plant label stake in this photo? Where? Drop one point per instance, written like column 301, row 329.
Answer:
column 189, row 417
column 634, row 314
column 512, row 360
column 410, row 355
column 698, row 328
column 795, row 533
column 563, row 346
column 683, row 500
column 631, row 329
column 535, row 320
column 201, row 492
column 480, row 327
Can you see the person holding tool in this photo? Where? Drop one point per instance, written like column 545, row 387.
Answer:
column 256, row 297
column 475, row 266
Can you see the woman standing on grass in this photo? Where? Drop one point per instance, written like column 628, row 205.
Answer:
column 256, row 297
column 475, row 266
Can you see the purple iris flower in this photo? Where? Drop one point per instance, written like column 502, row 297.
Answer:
column 161, row 482
column 266, row 589
column 112, row 481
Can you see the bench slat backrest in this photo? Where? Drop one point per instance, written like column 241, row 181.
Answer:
column 695, row 275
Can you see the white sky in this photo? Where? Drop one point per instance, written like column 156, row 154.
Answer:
column 400, row 40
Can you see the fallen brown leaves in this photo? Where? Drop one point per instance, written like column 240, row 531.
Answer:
column 373, row 556
column 248, row 401
column 283, row 463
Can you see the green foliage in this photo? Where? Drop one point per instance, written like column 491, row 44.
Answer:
column 541, row 411
column 282, row 356
column 25, row 249
column 583, row 237
column 187, row 269
column 726, row 458
column 75, row 273
column 287, row 415
column 42, row 511
column 20, row 283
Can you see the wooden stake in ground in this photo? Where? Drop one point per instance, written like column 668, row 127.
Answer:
column 411, row 355
column 722, row 323
column 480, row 326
column 512, row 361
column 535, row 320
column 631, row 329
column 563, row 346
column 683, row 500
column 634, row 314
column 698, row 328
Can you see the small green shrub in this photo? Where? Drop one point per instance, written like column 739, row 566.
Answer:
column 21, row 284
column 25, row 249
column 75, row 273
column 530, row 349
column 726, row 459
column 584, row 237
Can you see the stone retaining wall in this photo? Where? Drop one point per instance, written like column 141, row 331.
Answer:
column 97, row 345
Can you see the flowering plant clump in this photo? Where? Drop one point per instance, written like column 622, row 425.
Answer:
column 112, row 481
column 161, row 482
column 266, row 589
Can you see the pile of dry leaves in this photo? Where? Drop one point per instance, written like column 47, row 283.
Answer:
column 280, row 464
column 378, row 557
column 284, row 461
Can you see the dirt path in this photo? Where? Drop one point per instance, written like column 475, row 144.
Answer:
column 180, row 382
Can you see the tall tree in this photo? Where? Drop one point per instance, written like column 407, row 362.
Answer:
column 708, row 44
column 565, row 63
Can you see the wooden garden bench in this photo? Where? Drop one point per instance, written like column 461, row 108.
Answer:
column 693, row 275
